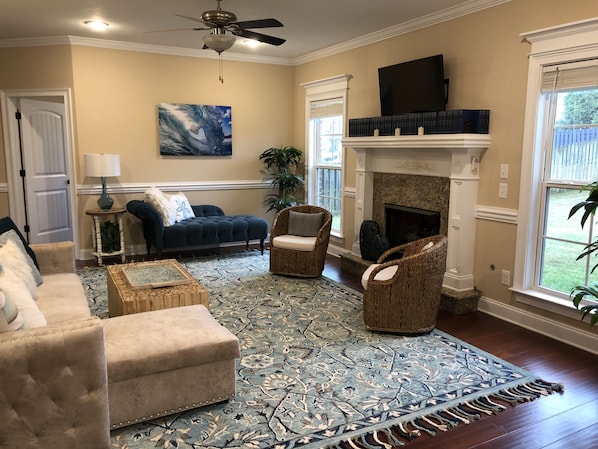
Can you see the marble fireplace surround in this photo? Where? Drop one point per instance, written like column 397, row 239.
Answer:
column 455, row 157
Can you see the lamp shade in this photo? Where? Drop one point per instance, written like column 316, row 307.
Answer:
column 102, row 165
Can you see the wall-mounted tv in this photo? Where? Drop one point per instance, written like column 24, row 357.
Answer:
column 413, row 86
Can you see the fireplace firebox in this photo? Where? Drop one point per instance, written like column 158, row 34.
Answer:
column 406, row 224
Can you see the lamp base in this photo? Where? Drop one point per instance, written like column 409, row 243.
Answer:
column 105, row 201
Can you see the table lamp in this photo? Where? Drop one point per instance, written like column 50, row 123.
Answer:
column 101, row 166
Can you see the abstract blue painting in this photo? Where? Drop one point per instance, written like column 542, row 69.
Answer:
column 195, row 130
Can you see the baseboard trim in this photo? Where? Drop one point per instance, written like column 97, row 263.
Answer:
column 141, row 250
column 544, row 326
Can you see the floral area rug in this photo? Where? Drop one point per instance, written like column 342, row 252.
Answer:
column 311, row 376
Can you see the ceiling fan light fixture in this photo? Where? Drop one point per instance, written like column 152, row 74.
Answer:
column 252, row 43
column 219, row 41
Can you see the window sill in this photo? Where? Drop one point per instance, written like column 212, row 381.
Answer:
column 545, row 301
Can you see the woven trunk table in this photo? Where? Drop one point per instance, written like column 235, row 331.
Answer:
column 145, row 286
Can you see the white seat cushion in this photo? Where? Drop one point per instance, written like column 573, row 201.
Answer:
column 294, row 242
column 382, row 275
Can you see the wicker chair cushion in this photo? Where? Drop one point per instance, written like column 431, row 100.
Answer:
column 294, row 242
column 382, row 275
column 305, row 224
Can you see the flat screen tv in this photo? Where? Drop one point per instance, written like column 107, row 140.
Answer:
column 413, row 86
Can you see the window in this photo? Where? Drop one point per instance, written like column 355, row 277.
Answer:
column 560, row 157
column 326, row 106
column 571, row 161
column 326, row 151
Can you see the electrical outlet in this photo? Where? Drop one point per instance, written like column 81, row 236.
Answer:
column 502, row 190
column 506, row 278
column 504, row 171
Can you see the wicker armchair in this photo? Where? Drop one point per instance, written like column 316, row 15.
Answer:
column 403, row 295
column 300, row 254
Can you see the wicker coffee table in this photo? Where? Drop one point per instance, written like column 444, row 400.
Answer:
column 146, row 286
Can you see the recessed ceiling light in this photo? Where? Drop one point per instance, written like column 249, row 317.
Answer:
column 97, row 25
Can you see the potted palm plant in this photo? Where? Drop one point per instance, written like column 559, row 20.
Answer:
column 281, row 165
column 589, row 292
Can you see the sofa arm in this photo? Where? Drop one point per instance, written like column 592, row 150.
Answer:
column 153, row 226
column 55, row 258
column 54, row 390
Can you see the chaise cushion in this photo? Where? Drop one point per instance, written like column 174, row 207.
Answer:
column 146, row 343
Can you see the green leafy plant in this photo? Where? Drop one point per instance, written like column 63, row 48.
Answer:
column 281, row 164
column 589, row 292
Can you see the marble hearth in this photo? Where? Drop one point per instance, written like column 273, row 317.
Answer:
column 435, row 172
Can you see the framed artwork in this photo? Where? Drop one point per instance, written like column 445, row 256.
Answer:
column 195, row 130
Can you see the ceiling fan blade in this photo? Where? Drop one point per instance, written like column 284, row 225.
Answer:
column 262, row 23
column 177, row 29
column 259, row 37
column 190, row 18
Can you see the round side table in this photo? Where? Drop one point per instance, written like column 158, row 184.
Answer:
column 97, row 216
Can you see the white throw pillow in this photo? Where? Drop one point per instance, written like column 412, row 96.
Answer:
column 161, row 203
column 182, row 207
column 10, row 315
column 16, row 291
column 13, row 259
column 12, row 235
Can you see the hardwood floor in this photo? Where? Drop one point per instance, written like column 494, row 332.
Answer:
column 566, row 420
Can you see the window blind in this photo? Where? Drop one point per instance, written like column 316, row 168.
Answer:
column 326, row 108
column 574, row 75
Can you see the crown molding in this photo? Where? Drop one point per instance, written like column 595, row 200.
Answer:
column 429, row 20
column 143, row 48
column 463, row 9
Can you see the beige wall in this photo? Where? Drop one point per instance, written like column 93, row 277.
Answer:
column 116, row 97
column 31, row 68
column 486, row 62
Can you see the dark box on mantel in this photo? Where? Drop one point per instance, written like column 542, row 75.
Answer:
column 457, row 121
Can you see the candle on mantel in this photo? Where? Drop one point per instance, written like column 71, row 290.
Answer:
column 397, row 131
column 376, row 132
column 420, row 131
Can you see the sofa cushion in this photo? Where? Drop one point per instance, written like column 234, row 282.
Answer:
column 164, row 340
column 304, row 224
column 61, row 298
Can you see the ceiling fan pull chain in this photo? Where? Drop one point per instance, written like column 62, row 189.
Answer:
column 220, row 68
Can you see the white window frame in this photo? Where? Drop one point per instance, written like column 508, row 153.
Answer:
column 316, row 91
column 567, row 43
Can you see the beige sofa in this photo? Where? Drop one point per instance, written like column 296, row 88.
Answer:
column 67, row 384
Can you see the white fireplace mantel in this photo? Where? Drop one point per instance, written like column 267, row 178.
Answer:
column 453, row 156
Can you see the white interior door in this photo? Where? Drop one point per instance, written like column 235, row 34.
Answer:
column 47, row 178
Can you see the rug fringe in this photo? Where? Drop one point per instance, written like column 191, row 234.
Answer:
column 402, row 433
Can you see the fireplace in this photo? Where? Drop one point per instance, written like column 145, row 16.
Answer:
column 437, row 172
column 406, row 224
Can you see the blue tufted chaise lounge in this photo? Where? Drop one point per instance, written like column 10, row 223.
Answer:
column 209, row 227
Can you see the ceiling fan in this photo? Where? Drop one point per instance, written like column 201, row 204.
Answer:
column 221, row 21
